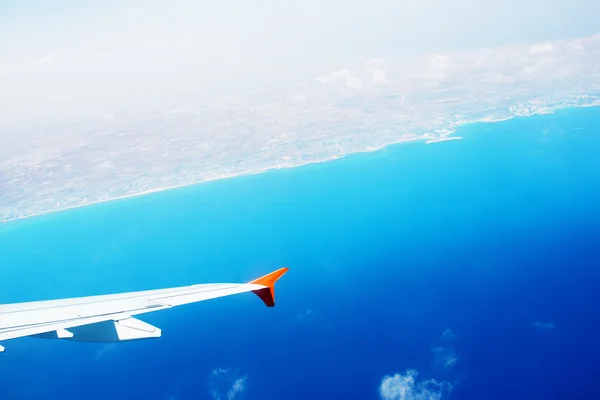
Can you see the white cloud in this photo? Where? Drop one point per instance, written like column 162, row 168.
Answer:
column 407, row 386
column 578, row 49
column 226, row 384
column 543, row 55
column 353, row 82
column 436, row 75
column 540, row 49
column 335, row 76
column 436, row 69
column 344, row 76
column 376, row 68
column 540, row 64
column 438, row 62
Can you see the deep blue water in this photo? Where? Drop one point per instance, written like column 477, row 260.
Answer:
column 481, row 253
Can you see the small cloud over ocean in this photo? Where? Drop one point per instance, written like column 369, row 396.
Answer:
column 408, row 386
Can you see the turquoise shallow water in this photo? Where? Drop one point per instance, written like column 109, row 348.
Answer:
column 474, row 262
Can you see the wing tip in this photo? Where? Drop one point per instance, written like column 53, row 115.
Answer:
column 267, row 294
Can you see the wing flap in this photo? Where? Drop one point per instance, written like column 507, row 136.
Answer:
column 57, row 334
column 115, row 331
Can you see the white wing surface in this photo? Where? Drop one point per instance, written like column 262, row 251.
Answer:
column 109, row 318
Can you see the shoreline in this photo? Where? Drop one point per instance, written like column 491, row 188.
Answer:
column 221, row 177
column 443, row 139
column 428, row 140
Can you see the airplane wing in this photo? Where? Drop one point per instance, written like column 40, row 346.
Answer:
column 109, row 318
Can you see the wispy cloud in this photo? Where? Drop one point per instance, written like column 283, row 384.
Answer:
column 444, row 357
column 237, row 387
column 448, row 334
column 444, row 354
column 226, row 384
column 104, row 350
column 408, row 386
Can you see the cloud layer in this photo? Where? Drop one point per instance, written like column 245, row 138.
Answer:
column 73, row 58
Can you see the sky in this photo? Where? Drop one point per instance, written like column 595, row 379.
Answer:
column 68, row 56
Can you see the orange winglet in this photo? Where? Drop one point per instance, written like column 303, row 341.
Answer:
column 267, row 294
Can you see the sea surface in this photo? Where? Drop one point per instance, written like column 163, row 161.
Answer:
column 466, row 269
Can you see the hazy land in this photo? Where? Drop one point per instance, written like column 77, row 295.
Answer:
column 51, row 165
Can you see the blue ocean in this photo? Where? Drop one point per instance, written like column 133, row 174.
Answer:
column 466, row 269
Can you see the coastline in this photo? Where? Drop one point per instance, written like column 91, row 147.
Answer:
column 212, row 179
column 444, row 139
column 446, row 136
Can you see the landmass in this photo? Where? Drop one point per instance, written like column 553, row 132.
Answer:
column 52, row 165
